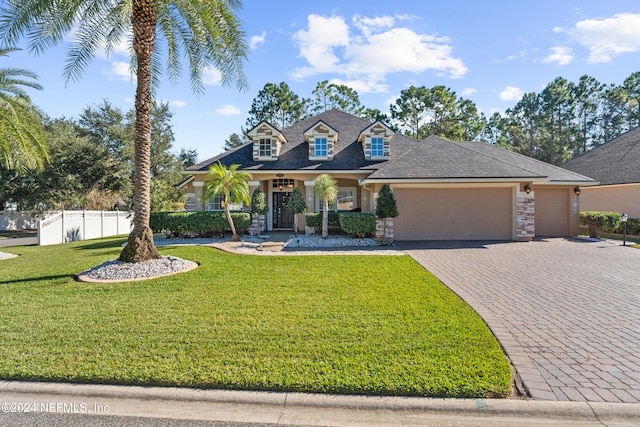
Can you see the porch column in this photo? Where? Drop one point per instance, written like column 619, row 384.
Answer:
column 198, row 188
column 256, row 222
column 310, row 194
column 309, row 187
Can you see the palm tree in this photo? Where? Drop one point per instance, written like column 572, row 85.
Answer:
column 207, row 31
column 23, row 143
column 326, row 189
column 232, row 185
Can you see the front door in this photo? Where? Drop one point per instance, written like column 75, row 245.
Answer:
column 281, row 216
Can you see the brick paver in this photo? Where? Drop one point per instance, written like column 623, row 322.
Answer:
column 567, row 312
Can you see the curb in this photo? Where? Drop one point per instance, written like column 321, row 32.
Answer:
column 523, row 409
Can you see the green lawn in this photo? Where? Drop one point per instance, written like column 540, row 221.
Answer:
column 339, row 324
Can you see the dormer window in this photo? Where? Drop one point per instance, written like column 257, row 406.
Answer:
column 264, row 149
column 267, row 142
column 321, row 147
column 375, row 141
column 377, row 147
column 321, row 139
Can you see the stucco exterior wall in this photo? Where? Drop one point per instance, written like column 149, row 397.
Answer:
column 623, row 198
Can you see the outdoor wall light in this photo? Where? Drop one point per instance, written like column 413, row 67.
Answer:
column 577, row 190
column 280, row 187
column 527, row 188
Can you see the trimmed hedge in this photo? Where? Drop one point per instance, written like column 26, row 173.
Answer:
column 203, row 224
column 597, row 222
column 314, row 219
column 358, row 223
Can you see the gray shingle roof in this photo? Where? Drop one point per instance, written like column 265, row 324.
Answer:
column 615, row 162
column 433, row 158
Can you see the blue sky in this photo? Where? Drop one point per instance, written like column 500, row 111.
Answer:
column 488, row 51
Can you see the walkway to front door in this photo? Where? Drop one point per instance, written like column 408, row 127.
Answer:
column 281, row 216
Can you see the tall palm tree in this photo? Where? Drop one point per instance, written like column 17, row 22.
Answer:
column 208, row 32
column 326, row 189
column 232, row 185
column 23, row 143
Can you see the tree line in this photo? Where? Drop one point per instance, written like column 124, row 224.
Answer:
column 565, row 119
column 90, row 163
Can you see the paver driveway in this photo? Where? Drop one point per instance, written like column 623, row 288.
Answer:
column 567, row 312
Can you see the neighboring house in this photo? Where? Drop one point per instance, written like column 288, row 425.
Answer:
column 616, row 165
column 444, row 190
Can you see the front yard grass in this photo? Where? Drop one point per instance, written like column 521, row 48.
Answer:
column 336, row 324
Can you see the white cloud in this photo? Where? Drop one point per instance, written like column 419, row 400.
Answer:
column 257, row 40
column 119, row 70
column 211, row 77
column 178, row 103
column 227, row 110
column 561, row 55
column 608, row 38
column 377, row 49
column 511, row 93
column 468, row 91
column 363, row 86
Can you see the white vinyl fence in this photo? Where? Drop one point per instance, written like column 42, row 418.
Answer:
column 70, row 226
column 18, row 220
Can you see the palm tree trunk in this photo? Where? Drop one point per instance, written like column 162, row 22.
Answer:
column 234, row 235
column 140, row 246
column 325, row 219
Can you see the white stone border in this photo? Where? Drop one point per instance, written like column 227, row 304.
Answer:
column 6, row 255
column 82, row 277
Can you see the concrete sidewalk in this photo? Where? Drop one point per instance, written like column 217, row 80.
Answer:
column 302, row 408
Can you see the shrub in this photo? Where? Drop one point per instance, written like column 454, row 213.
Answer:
column 314, row 219
column 386, row 206
column 358, row 223
column 197, row 223
column 599, row 221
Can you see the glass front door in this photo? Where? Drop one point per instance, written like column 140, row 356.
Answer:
column 281, row 216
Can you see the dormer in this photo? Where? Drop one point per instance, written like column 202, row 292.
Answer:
column 267, row 141
column 375, row 141
column 321, row 139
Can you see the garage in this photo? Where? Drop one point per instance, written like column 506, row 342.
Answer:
column 454, row 213
column 551, row 212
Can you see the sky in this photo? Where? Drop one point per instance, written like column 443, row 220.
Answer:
column 491, row 52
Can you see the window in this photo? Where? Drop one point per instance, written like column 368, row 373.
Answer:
column 321, row 147
column 377, row 147
column 216, row 205
column 345, row 199
column 264, row 147
column 282, row 183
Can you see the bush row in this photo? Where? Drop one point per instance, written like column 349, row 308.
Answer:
column 204, row 224
column 357, row 223
column 607, row 222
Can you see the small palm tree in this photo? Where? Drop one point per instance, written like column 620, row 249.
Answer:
column 326, row 189
column 232, row 185
column 208, row 33
column 23, row 143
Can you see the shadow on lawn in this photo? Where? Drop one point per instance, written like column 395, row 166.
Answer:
column 113, row 243
column 36, row 279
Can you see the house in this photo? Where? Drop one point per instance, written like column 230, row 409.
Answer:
column 616, row 165
column 444, row 190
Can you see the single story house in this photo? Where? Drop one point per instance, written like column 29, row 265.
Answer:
column 616, row 165
column 444, row 190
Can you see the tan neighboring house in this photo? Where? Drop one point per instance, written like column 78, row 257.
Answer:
column 445, row 190
column 616, row 165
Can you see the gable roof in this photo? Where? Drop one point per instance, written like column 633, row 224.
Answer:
column 614, row 162
column 431, row 159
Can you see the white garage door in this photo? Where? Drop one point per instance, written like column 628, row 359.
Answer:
column 454, row 214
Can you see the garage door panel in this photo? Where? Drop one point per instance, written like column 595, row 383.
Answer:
column 454, row 214
column 551, row 212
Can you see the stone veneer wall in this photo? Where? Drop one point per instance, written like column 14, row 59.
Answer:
column 380, row 235
column 526, row 229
